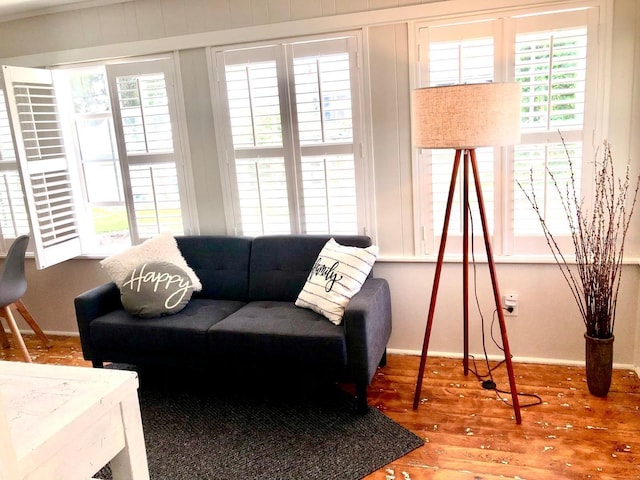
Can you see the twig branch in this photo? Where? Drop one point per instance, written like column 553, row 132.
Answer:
column 598, row 238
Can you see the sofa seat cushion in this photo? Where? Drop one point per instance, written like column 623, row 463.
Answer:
column 184, row 332
column 277, row 332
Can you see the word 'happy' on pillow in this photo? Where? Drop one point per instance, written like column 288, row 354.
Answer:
column 164, row 280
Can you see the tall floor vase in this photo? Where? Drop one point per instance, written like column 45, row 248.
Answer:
column 599, row 364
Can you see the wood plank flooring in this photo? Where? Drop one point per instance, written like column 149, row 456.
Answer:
column 470, row 433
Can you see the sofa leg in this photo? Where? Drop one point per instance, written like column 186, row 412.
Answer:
column 383, row 360
column 361, row 397
column 97, row 364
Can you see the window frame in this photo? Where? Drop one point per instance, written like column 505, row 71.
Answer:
column 504, row 240
column 142, row 67
column 284, row 55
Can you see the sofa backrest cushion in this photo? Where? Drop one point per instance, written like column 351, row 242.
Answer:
column 221, row 263
column 280, row 264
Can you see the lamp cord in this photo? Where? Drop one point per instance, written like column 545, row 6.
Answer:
column 487, row 380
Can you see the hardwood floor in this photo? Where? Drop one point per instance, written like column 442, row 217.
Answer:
column 471, row 434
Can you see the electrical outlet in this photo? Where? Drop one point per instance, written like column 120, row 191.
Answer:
column 510, row 301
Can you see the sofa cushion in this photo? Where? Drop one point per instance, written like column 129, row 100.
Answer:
column 280, row 264
column 221, row 263
column 156, row 289
column 337, row 275
column 282, row 333
column 185, row 332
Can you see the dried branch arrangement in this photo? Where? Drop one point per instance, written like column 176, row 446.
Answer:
column 598, row 238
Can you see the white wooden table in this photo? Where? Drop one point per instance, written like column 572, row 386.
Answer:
column 65, row 423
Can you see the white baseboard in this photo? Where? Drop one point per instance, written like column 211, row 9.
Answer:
column 56, row 333
column 535, row 360
column 53, row 333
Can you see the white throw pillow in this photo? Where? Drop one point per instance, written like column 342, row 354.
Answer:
column 337, row 275
column 161, row 248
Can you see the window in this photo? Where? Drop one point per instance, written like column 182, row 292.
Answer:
column 293, row 137
column 551, row 66
column 110, row 180
column 551, row 55
column 146, row 122
column 98, row 159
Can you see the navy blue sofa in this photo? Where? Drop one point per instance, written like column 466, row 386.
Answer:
column 245, row 315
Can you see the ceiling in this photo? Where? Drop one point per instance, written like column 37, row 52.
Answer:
column 12, row 9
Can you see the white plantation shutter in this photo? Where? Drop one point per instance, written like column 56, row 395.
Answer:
column 261, row 194
column 43, row 163
column 531, row 162
column 460, row 61
column 156, row 199
column 329, row 194
column 291, row 130
column 145, row 120
column 254, row 103
column 323, row 96
column 324, row 111
column 551, row 65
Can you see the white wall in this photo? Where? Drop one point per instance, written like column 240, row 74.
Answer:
column 548, row 326
column 633, row 22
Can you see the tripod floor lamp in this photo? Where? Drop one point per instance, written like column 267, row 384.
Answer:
column 463, row 117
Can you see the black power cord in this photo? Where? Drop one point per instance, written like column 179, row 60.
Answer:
column 487, row 380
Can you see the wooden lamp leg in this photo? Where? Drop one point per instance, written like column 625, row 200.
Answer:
column 436, row 280
column 496, row 290
column 465, row 263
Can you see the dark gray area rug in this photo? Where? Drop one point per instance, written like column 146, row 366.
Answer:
column 230, row 431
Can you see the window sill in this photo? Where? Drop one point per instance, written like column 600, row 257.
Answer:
column 507, row 260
